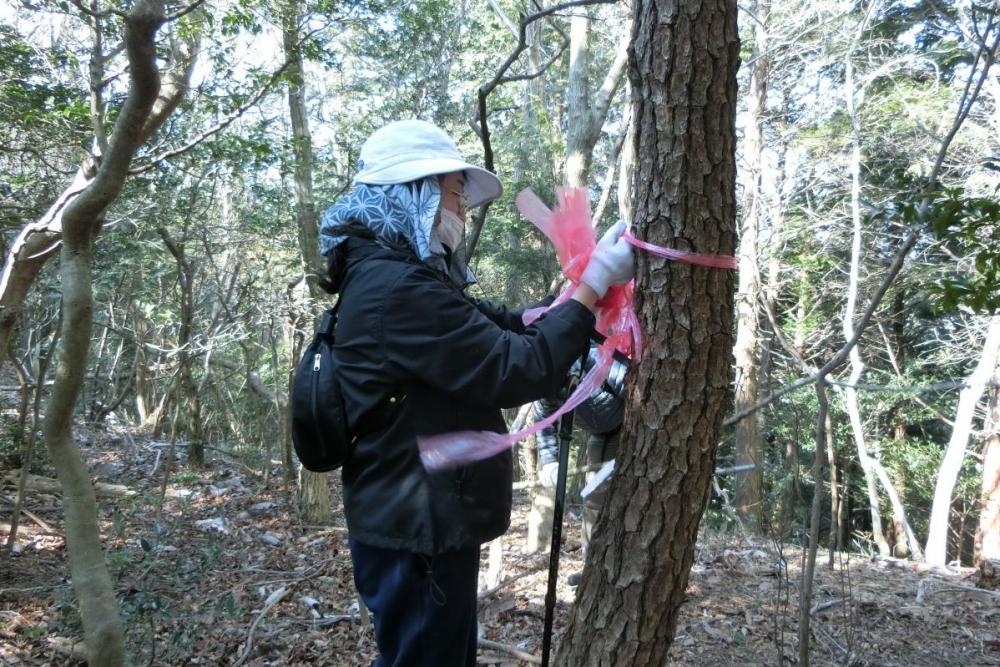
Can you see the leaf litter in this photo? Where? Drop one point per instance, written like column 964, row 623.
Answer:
column 229, row 576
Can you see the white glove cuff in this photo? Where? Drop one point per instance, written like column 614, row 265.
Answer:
column 596, row 277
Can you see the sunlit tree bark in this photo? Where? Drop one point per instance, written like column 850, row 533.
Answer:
column 988, row 533
column 747, row 351
column 81, row 220
column 314, row 489
column 682, row 65
column 937, row 534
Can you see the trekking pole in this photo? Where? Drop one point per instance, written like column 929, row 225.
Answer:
column 565, row 437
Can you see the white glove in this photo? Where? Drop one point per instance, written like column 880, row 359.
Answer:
column 611, row 263
column 549, row 474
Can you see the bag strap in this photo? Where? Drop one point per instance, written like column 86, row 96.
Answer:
column 329, row 322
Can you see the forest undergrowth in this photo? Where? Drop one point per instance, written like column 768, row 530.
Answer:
column 223, row 573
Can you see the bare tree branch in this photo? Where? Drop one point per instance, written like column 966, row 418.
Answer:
column 500, row 78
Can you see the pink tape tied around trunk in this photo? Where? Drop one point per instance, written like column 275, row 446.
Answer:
column 572, row 234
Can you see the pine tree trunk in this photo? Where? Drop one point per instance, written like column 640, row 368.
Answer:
column 682, row 66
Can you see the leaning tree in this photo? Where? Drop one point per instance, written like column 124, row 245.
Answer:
column 682, row 65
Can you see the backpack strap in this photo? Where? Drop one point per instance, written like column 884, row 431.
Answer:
column 329, row 322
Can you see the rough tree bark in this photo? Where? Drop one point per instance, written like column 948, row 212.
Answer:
column 747, row 351
column 314, row 488
column 682, row 64
column 937, row 534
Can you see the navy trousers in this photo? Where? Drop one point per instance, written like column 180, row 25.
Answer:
column 424, row 607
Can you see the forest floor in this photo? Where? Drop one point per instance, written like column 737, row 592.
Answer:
column 227, row 575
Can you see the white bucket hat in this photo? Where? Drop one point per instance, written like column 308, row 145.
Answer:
column 407, row 150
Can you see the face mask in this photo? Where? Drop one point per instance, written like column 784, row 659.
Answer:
column 451, row 230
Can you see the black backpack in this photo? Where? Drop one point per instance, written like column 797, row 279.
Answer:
column 322, row 439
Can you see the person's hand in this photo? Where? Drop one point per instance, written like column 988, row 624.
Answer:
column 549, row 474
column 611, row 263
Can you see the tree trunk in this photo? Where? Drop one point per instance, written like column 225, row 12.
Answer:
column 682, row 65
column 937, row 534
column 81, row 223
column 586, row 116
column 988, row 534
column 747, row 350
column 102, row 623
column 857, row 366
column 189, row 403
column 578, row 158
column 314, row 490
column 836, row 501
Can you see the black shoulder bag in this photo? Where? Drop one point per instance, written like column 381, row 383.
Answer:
column 322, row 439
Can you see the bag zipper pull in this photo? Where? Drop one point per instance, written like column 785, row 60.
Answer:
column 316, row 361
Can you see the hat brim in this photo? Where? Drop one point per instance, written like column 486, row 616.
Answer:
column 481, row 186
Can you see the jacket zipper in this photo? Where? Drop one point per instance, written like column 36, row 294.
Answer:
column 313, row 403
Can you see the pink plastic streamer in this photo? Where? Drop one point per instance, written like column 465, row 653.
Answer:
column 440, row 452
column 568, row 226
column 571, row 232
column 713, row 261
column 532, row 314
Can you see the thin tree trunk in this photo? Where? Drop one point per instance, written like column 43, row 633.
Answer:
column 314, row 489
column 81, row 223
column 835, row 496
column 937, row 534
column 857, row 366
column 189, row 403
column 747, row 350
column 586, row 115
column 28, row 451
column 809, row 570
column 682, row 65
column 988, row 532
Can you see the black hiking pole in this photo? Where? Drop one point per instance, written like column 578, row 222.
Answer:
column 565, row 437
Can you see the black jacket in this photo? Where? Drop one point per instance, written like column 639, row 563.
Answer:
column 408, row 339
column 600, row 414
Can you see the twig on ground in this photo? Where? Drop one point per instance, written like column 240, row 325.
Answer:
column 156, row 464
column 924, row 587
column 329, row 620
column 234, row 457
column 822, row 606
column 512, row 650
column 506, row 582
column 34, row 517
column 273, row 599
column 816, row 628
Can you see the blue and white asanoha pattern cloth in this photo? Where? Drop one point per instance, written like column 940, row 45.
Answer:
column 398, row 214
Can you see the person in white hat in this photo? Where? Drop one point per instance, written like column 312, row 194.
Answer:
column 417, row 357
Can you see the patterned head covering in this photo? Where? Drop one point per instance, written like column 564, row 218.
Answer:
column 399, row 215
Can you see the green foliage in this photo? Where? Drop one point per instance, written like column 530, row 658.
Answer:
column 970, row 228
column 967, row 228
